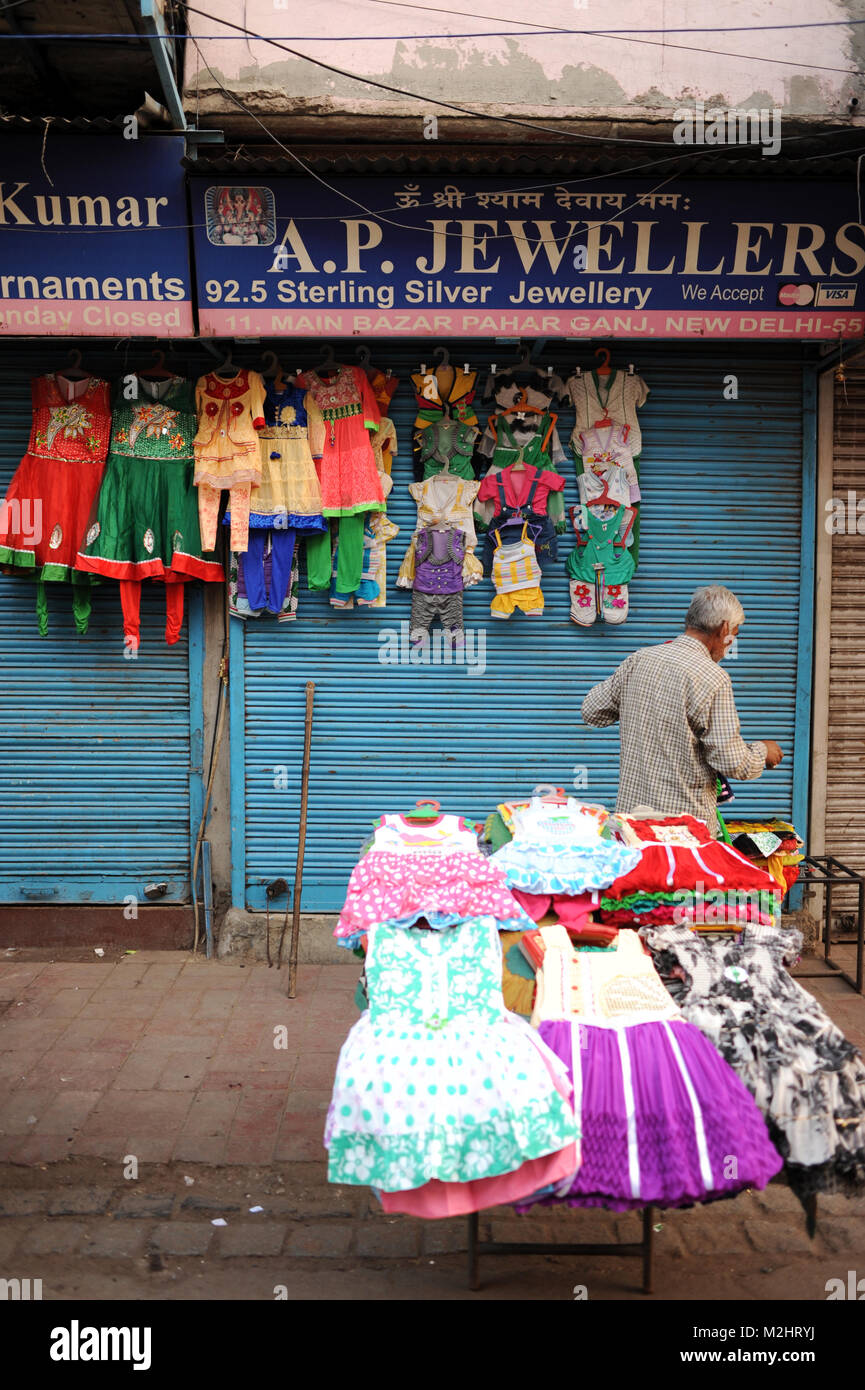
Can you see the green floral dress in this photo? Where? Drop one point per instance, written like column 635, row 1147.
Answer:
column 145, row 522
column 437, row 1080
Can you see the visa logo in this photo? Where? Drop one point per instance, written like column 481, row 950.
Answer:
column 835, row 296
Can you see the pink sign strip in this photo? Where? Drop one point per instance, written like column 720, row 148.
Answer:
column 100, row 318
column 411, row 323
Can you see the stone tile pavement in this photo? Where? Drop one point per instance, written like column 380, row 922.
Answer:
column 167, row 1056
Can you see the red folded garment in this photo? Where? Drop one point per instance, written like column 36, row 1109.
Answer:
column 531, row 943
column 646, row 828
column 686, row 916
column 663, row 868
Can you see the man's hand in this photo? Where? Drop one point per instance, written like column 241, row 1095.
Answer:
column 773, row 752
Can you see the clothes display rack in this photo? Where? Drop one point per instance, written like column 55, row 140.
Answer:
column 824, row 870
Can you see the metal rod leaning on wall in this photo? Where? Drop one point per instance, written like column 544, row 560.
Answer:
column 301, row 845
column 214, row 761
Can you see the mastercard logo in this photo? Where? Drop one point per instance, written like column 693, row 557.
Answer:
column 796, row 296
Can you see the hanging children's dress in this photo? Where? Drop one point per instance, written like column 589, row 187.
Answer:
column 144, row 524
column 805, row 1076
column 350, row 483
column 616, row 397
column 436, row 1081
column 286, row 504
column 539, row 390
column 444, row 500
column 664, row 1120
column 55, row 485
column 605, row 466
column 227, row 450
column 446, row 444
column 380, row 529
column 438, row 582
column 442, row 393
column 559, row 849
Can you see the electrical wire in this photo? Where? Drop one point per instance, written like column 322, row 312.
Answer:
column 533, row 31
column 696, row 29
column 414, row 96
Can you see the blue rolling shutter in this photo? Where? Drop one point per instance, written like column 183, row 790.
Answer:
column 95, row 748
column 722, row 503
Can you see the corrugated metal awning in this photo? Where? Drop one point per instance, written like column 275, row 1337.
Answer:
column 553, row 158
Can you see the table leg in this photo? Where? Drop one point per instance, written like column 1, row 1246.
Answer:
column 474, row 1281
column 648, row 1233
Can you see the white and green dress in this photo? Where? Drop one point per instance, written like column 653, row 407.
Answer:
column 437, row 1080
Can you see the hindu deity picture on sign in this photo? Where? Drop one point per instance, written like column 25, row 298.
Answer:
column 240, row 216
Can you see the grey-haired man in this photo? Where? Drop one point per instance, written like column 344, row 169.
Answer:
column 678, row 726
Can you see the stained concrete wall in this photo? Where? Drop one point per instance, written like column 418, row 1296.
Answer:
column 503, row 68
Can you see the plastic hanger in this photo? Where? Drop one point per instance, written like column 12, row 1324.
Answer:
column 328, row 362
column 271, row 365
column 522, row 407
column 75, row 371
column 362, row 355
column 158, row 371
column 226, row 365
column 547, row 792
column 274, row 369
column 420, row 814
column 444, row 365
column 605, row 369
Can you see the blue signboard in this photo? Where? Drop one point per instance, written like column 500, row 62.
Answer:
column 94, row 236
column 601, row 257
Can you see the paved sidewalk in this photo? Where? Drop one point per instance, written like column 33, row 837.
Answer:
column 171, row 1060
column 167, row 1056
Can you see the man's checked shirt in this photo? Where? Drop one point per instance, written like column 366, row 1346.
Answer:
column 678, row 727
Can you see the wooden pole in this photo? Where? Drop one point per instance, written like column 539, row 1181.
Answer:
column 301, row 844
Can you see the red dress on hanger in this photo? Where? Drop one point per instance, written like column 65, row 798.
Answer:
column 43, row 520
column 47, row 506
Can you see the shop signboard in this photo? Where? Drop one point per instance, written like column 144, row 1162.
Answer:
column 94, row 236
column 582, row 258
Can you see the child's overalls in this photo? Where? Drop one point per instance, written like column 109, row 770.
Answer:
column 599, row 570
column 546, row 541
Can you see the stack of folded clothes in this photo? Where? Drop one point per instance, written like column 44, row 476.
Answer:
column 773, row 845
column 685, row 876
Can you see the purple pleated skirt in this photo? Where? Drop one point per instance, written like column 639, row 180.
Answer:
column 664, row 1119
